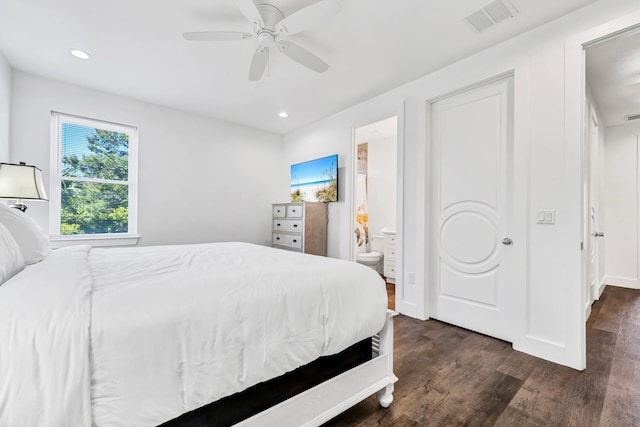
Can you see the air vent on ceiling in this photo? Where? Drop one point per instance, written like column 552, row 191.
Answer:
column 491, row 14
column 632, row 117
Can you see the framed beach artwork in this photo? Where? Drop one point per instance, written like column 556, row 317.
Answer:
column 315, row 180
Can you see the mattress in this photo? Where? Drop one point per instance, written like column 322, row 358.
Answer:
column 138, row 336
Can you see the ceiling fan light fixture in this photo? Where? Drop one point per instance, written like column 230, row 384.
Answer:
column 266, row 39
column 283, row 114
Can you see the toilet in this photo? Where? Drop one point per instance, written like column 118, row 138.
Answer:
column 373, row 259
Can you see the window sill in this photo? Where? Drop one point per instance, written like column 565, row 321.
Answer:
column 96, row 240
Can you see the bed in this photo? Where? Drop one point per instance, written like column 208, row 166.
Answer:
column 142, row 336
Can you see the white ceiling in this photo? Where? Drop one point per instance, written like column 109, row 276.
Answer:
column 138, row 51
column 613, row 73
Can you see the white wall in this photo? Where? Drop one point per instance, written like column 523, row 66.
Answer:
column 382, row 184
column 544, row 173
column 200, row 179
column 622, row 238
column 5, row 102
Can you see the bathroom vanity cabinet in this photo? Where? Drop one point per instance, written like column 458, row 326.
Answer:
column 390, row 256
column 300, row 227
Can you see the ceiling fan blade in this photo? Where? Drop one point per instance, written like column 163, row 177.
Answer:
column 258, row 63
column 250, row 11
column 216, row 36
column 305, row 18
column 303, row 56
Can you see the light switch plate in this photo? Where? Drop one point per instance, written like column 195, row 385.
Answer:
column 546, row 216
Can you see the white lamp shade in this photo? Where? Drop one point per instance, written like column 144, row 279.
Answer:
column 21, row 182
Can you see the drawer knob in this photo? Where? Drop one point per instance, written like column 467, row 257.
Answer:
column 295, row 241
column 295, row 225
column 277, row 238
column 278, row 225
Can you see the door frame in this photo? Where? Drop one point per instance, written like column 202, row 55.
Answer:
column 398, row 112
column 575, row 105
column 516, row 312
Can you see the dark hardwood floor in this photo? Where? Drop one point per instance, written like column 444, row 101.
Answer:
column 453, row 377
column 391, row 294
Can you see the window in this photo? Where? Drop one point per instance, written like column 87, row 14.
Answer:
column 93, row 179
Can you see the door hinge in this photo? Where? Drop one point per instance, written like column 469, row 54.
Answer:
column 582, row 246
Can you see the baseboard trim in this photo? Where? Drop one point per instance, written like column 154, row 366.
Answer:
column 621, row 282
column 600, row 288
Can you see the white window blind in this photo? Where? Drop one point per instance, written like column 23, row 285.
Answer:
column 94, row 185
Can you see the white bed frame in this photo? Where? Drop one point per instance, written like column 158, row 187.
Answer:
column 334, row 396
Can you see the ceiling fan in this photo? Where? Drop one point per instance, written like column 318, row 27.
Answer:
column 269, row 27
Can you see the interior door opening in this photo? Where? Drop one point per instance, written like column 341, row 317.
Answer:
column 374, row 212
column 611, row 166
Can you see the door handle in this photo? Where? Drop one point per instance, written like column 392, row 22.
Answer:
column 507, row 241
column 598, row 234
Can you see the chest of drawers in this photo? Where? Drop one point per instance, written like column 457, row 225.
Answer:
column 300, row 227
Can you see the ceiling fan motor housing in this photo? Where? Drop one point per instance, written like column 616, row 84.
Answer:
column 266, row 39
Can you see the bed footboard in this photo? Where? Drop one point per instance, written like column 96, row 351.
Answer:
column 334, row 396
column 383, row 345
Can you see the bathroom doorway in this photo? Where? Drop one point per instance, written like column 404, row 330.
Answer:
column 374, row 198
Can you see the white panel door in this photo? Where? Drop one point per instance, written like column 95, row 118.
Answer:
column 593, row 233
column 472, row 150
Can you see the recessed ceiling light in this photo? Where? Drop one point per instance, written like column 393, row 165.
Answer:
column 80, row 53
column 283, row 114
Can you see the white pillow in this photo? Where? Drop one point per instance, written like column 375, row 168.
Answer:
column 32, row 241
column 11, row 261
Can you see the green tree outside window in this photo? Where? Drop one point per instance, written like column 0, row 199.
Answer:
column 94, row 184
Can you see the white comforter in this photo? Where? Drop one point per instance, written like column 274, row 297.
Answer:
column 138, row 336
